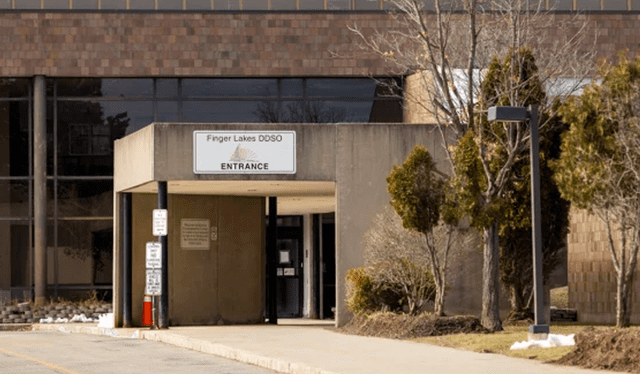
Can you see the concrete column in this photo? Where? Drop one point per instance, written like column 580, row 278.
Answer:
column 126, row 235
column 40, row 189
column 309, row 306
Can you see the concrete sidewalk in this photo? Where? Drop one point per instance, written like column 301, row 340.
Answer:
column 314, row 347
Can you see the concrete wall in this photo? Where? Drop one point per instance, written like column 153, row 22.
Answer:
column 365, row 156
column 315, row 151
column 219, row 285
column 133, row 159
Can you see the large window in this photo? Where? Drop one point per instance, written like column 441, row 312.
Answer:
column 86, row 115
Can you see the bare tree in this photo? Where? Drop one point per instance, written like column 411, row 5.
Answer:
column 445, row 52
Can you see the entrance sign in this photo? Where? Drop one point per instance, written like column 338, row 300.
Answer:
column 159, row 222
column 195, row 233
column 154, row 278
column 154, row 255
column 244, row 152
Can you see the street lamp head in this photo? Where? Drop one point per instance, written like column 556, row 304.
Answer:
column 507, row 114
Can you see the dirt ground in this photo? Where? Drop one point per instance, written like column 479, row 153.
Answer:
column 606, row 348
column 403, row 326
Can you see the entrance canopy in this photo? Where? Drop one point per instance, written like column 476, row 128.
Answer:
column 218, row 176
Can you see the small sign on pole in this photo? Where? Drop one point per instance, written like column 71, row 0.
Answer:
column 154, row 255
column 154, row 278
column 159, row 222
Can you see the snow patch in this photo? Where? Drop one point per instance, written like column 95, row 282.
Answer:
column 553, row 340
column 106, row 321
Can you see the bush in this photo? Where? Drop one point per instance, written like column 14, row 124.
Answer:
column 366, row 295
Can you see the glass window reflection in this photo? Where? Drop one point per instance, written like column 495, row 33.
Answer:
column 561, row 4
column 14, row 138
column 615, row 5
column 589, row 4
column 361, row 88
column 170, row 4
column 283, row 4
column 113, row 4
column 141, row 4
column 85, row 198
column 255, row 5
column 199, row 4
column 220, row 111
column 15, row 198
column 85, row 4
column 56, row 4
column 338, row 4
column 28, row 4
column 226, row 5
column 311, row 5
column 367, row 4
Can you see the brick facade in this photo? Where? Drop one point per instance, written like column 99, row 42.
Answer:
column 591, row 277
column 119, row 44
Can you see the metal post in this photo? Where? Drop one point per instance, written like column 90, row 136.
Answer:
column 163, row 312
column 126, row 258
column 40, row 189
column 272, row 260
column 541, row 327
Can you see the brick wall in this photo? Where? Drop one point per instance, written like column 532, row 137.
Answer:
column 215, row 44
column 591, row 277
column 183, row 44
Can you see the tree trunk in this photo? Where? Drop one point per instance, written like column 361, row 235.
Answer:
column 623, row 299
column 438, row 307
column 490, row 318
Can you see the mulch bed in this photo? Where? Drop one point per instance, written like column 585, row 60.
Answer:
column 403, row 326
column 606, row 349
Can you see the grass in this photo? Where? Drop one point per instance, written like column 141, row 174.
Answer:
column 560, row 297
column 500, row 342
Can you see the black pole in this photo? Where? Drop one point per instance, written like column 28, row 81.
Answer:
column 126, row 258
column 272, row 260
column 541, row 325
column 163, row 313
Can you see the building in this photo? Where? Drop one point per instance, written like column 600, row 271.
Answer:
column 77, row 75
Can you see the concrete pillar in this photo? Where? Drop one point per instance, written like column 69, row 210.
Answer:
column 126, row 235
column 309, row 306
column 40, row 189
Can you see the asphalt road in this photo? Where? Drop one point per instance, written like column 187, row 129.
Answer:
column 47, row 352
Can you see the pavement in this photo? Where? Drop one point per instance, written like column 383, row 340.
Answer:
column 315, row 347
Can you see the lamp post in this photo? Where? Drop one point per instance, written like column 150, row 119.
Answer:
column 540, row 329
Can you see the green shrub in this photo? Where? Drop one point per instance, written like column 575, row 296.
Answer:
column 360, row 291
column 365, row 295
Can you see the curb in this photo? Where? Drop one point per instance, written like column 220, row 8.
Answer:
column 16, row 327
column 220, row 350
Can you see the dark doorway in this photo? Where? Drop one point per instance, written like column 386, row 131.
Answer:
column 289, row 271
column 328, row 266
column 324, row 260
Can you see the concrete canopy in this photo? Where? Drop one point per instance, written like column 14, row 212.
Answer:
column 294, row 197
column 338, row 167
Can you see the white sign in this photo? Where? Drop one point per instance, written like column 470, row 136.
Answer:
column 194, row 233
column 244, row 152
column 154, row 255
column 159, row 222
column 154, row 278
